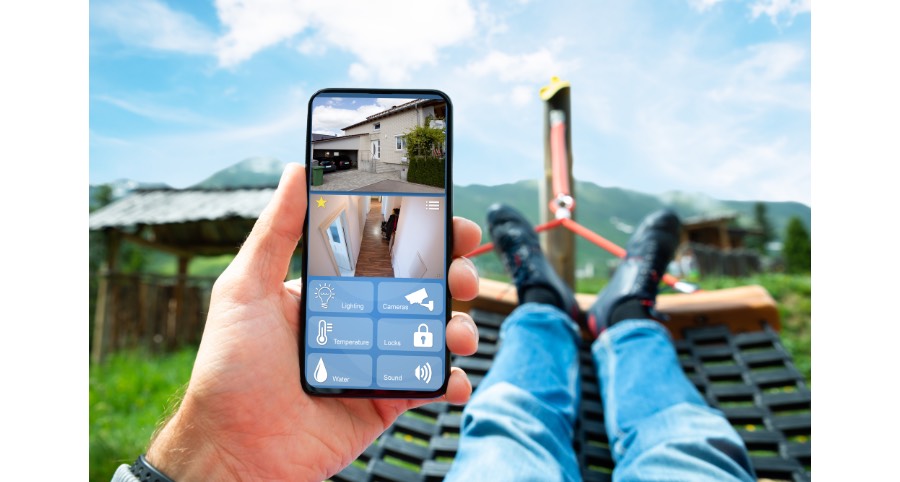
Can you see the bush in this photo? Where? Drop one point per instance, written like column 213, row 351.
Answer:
column 428, row 170
column 797, row 248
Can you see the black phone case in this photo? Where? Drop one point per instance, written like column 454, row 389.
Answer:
column 448, row 185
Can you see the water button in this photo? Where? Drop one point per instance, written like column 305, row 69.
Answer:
column 339, row 370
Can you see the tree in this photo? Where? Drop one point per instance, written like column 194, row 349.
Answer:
column 102, row 196
column 764, row 227
column 797, row 247
column 424, row 141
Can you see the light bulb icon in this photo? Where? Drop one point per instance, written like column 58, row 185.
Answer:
column 324, row 292
column 324, row 328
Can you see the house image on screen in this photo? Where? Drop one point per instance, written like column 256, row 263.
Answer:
column 377, row 143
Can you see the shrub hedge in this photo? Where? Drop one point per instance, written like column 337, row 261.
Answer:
column 428, row 170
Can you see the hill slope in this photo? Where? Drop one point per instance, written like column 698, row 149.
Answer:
column 611, row 212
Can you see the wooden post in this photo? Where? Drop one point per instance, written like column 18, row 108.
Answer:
column 106, row 305
column 724, row 238
column 558, row 244
column 176, row 318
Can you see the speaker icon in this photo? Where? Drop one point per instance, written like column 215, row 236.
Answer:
column 423, row 372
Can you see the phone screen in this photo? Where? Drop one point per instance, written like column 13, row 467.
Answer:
column 375, row 302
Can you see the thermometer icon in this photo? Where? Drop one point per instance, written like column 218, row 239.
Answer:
column 324, row 328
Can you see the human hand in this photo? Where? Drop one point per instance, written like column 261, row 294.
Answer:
column 244, row 415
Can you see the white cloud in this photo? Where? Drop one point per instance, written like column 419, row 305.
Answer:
column 388, row 38
column 101, row 140
column 157, row 111
column 776, row 9
column 535, row 67
column 253, row 25
column 703, row 5
column 359, row 72
column 151, row 24
column 505, row 78
column 722, row 153
column 523, row 94
column 330, row 120
column 767, row 77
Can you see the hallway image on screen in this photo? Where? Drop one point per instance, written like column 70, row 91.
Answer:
column 377, row 236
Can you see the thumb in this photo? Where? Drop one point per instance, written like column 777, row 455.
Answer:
column 267, row 252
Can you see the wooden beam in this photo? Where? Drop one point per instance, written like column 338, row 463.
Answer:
column 742, row 309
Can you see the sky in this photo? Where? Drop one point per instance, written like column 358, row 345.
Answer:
column 699, row 96
column 330, row 114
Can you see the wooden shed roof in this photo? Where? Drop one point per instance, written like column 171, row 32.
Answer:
column 180, row 206
column 185, row 222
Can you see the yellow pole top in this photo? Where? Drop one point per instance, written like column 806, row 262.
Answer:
column 549, row 90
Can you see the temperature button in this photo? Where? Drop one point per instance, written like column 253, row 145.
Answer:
column 339, row 332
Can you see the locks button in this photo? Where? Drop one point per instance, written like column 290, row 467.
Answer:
column 422, row 338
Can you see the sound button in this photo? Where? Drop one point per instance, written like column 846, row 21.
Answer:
column 409, row 372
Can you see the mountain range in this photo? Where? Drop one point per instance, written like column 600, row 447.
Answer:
column 613, row 212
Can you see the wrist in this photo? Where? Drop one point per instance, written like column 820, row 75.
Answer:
column 184, row 451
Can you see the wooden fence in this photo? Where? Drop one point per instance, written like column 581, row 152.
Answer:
column 148, row 311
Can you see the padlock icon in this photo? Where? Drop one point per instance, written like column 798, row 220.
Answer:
column 423, row 339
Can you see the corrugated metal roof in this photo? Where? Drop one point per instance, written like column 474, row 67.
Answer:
column 181, row 206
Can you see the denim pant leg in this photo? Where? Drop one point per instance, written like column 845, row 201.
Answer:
column 659, row 426
column 519, row 423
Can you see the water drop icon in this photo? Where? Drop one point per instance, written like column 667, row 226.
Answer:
column 321, row 374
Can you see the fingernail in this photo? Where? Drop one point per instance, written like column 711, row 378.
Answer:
column 471, row 266
column 470, row 325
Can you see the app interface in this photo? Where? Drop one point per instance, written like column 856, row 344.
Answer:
column 375, row 302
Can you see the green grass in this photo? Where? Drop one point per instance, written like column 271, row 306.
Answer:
column 130, row 393
column 209, row 265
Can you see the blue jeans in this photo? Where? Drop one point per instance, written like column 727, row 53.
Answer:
column 520, row 421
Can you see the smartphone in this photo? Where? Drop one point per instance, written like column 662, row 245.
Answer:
column 377, row 244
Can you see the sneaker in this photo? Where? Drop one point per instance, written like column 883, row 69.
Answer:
column 648, row 253
column 516, row 242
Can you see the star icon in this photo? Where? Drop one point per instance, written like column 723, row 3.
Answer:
column 320, row 203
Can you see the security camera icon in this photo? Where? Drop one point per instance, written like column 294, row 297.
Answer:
column 418, row 298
